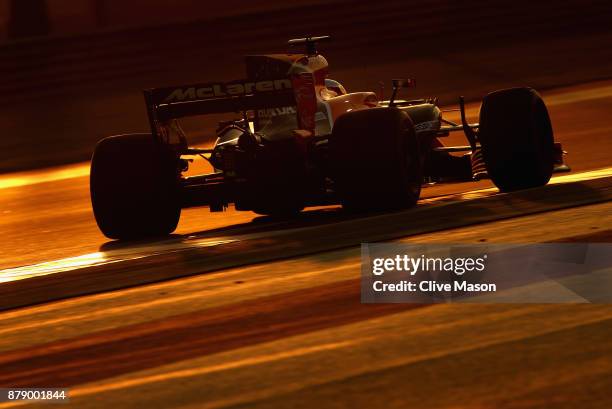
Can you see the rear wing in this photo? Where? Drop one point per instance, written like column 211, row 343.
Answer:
column 166, row 104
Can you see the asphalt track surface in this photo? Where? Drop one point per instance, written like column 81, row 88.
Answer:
column 46, row 215
column 291, row 332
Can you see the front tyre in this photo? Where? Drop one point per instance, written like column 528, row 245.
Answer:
column 517, row 139
column 134, row 187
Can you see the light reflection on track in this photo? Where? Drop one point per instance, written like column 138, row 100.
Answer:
column 180, row 243
column 31, row 177
column 46, row 213
column 101, row 258
column 480, row 193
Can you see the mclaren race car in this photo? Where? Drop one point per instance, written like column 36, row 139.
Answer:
column 300, row 139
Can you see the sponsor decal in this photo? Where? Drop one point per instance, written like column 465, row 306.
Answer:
column 224, row 90
column 306, row 100
column 427, row 126
column 273, row 112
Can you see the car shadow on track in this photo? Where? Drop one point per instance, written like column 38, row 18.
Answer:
column 259, row 226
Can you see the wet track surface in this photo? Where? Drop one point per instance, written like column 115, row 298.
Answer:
column 292, row 332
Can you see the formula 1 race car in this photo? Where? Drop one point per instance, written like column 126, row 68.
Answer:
column 301, row 140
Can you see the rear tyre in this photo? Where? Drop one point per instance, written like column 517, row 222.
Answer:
column 134, row 187
column 517, row 139
column 375, row 160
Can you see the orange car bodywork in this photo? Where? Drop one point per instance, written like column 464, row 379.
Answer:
column 308, row 74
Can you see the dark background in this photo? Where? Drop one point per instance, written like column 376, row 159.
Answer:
column 71, row 76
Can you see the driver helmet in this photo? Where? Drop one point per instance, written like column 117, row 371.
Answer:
column 335, row 86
